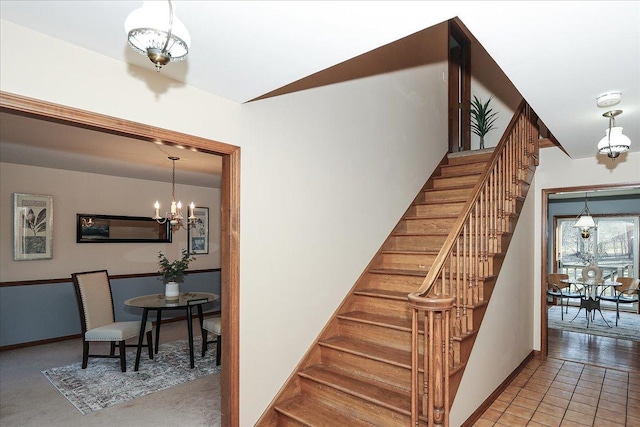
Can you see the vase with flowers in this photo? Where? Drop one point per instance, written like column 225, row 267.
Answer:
column 173, row 272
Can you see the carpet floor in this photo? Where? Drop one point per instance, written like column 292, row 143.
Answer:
column 102, row 384
column 628, row 325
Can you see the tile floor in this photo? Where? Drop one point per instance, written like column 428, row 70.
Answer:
column 556, row 393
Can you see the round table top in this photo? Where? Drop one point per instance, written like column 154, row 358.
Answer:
column 183, row 300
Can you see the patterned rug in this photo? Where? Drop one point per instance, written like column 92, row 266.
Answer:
column 103, row 384
column 628, row 325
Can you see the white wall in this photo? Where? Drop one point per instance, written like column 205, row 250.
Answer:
column 487, row 79
column 77, row 192
column 345, row 163
column 506, row 334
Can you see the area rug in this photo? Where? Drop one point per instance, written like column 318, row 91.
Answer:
column 628, row 325
column 103, row 384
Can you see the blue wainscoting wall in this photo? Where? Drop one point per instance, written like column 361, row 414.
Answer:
column 39, row 312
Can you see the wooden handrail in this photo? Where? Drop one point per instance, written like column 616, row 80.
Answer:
column 463, row 217
column 453, row 285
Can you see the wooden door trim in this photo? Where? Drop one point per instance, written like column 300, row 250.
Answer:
column 229, row 207
column 464, row 42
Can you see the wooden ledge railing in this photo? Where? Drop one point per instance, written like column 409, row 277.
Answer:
column 453, row 285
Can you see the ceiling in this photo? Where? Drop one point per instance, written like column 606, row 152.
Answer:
column 559, row 55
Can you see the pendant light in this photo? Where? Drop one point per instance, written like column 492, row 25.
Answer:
column 585, row 221
column 154, row 30
column 614, row 142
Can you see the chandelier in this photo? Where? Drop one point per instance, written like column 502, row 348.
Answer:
column 174, row 216
column 155, row 31
column 585, row 222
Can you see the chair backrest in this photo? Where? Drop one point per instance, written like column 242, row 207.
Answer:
column 555, row 279
column 93, row 291
column 627, row 283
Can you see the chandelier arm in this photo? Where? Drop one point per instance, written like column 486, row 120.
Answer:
column 166, row 43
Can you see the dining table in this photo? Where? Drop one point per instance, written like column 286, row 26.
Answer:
column 590, row 301
column 159, row 302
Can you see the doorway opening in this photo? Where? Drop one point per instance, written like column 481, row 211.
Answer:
column 560, row 206
column 229, row 208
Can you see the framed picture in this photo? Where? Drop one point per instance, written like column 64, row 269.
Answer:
column 32, row 227
column 198, row 234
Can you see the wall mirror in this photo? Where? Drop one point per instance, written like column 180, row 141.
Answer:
column 93, row 228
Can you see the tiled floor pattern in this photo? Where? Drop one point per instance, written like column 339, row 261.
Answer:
column 556, row 393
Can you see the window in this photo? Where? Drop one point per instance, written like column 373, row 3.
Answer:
column 612, row 246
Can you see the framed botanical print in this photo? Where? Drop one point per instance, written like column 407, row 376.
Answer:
column 198, row 233
column 32, row 227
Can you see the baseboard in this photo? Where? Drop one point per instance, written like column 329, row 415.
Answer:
column 493, row 396
column 39, row 342
column 74, row 336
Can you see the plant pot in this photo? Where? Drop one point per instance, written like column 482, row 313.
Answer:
column 172, row 290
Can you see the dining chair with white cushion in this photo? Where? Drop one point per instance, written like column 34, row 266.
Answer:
column 213, row 325
column 97, row 316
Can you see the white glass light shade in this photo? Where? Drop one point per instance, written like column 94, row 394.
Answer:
column 147, row 28
column 585, row 221
column 614, row 142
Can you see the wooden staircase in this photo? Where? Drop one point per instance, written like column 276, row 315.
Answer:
column 366, row 366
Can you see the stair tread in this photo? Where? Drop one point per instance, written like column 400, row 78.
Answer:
column 457, row 187
column 408, row 252
column 393, row 356
column 383, row 293
column 312, row 413
column 421, row 273
column 361, row 387
column 378, row 319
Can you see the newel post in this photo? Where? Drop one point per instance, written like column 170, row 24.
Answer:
column 431, row 399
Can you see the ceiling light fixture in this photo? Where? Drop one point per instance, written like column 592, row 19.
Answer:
column 585, row 222
column 155, row 31
column 614, row 142
column 174, row 216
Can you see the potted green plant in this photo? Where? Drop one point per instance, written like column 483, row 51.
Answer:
column 173, row 272
column 483, row 118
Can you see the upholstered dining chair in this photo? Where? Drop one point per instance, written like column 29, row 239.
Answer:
column 626, row 293
column 95, row 301
column 213, row 325
column 563, row 291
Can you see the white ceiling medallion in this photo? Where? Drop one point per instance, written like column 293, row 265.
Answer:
column 608, row 99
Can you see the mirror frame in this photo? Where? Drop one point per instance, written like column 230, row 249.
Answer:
column 163, row 230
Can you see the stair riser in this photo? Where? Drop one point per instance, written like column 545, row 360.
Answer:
column 471, row 318
column 425, row 226
column 440, row 209
column 455, row 181
column 414, row 243
column 388, row 307
column 456, row 170
column 462, row 349
column 406, row 284
column 439, row 196
column 400, row 340
column 466, row 159
column 344, row 402
column 393, row 375
column 284, row 421
column 393, row 261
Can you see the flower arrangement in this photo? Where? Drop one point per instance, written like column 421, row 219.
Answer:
column 174, row 271
column 483, row 118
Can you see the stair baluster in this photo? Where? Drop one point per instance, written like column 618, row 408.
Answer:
column 451, row 289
